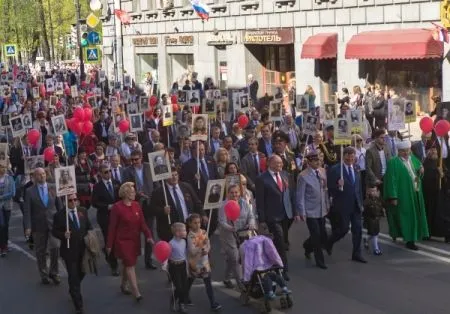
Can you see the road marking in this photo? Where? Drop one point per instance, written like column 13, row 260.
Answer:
column 422, row 246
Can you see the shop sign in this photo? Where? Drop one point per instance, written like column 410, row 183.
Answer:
column 221, row 40
column 145, row 41
column 269, row 37
column 181, row 40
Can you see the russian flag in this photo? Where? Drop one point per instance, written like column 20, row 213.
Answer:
column 201, row 9
column 440, row 33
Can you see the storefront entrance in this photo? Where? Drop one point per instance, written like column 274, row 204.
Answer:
column 181, row 67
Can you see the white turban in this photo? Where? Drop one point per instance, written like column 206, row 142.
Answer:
column 405, row 144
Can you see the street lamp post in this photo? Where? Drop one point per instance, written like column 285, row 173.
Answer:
column 80, row 48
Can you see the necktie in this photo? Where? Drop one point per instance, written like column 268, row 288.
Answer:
column 110, row 189
column 204, row 169
column 178, row 206
column 255, row 161
column 116, row 175
column 75, row 219
column 351, row 174
column 44, row 196
column 279, row 183
column 317, row 175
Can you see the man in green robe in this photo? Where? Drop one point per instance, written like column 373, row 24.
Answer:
column 403, row 193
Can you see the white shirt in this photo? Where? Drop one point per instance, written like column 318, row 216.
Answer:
column 272, row 173
column 444, row 147
column 383, row 161
column 361, row 158
column 180, row 197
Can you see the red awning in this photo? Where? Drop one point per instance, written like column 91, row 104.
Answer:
column 320, row 46
column 394, row 44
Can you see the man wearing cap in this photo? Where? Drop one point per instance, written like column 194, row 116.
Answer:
column 312, row 203
column 331, row 157
column 344, row 186
column 377, row 156
column 403, row 193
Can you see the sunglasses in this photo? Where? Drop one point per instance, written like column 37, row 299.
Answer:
column 72, row 200
column 106, row 171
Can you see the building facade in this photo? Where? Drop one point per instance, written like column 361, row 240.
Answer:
column 283, row 43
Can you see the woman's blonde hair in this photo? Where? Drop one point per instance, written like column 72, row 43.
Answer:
column 216, row 155
column 310, row 90
column 125, row 189
column 356, row 89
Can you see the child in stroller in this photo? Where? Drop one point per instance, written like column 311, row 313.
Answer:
column 262, row 273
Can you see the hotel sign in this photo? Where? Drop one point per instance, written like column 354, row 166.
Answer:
column 268, row 37
column 145, row 41
column 182, row 40
column 221, row 40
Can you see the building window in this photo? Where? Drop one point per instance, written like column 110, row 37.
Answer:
column 136, row 6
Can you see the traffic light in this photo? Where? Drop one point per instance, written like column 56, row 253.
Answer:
column 84, row 41
column 445, row 13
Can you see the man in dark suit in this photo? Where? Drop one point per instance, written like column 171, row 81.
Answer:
column 49, row 140
column 347, row 203
column 79, row 225
column 377, row 156
column 101, row 127
column 274, row 201
column 40, row 205
column 140, row 174
column 182, row 202
column 418, row 148
column 251, row 164
column 116, row 169
column 207, row 171
column 104, row 195
column 265, row 142
column 17, row 154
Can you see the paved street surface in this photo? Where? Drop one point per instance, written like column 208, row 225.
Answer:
column 398, row 282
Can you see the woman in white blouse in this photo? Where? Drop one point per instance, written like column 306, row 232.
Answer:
column 360, row 160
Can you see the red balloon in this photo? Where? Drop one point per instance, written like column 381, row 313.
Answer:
column 174, row 99
column 69, row 123
column 78, row 114
column 49, row 153
column 442, row 127
column 67, row 91
column 83, row 84
column 149, row 114
column 87, row 127
column 232, row 210
column 124, row 125
column 153, row 100
column 87, row 114
column 243, row 121
column 77, row 126
column 87, row 105
column 162, row 251
column 42, row 90
column 175, row 107
column 426, row 124
column 33, row 136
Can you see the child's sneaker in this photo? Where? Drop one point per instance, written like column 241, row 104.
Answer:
column 216, row 307
column 377, row 252
column 286, row 290
column 270, row 295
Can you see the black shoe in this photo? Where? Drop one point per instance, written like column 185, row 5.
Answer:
column 447, row 239
column 182, row 309
column 150, row 266
column 2, row 253
column 56, row 279
column 412, row 246
column 377, row 252
column 286, row 277
column 138, row 298
column 329, row 248
column 45, row 281
column 115, row 273
column 359, row 259
column 79, row 311
column 228, row 284
column 189, row 302
column 216, row 307
column 321, row 266
column 307, row 255
column 426, row 238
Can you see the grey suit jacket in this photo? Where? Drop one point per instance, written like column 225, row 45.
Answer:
column 373, row 164
column 312, row 196
column 129, row 175
column 37, row 216
column 249, row 170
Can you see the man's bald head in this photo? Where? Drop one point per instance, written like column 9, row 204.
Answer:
column 275, row 163
column 40, row 176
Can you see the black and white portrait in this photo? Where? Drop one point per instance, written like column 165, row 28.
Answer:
column 59, row 125
column 132, row 108
column 209, row 106
column 215, row 190
column 167, row 115
column 243, row 100
column 59, row 88
column 144, row 103
column 199, row 127
column 49, row 85
column 302, row 103
column 410, row 112
column 275, row 111
column 127, row 80
column 182, row 97
column 33, row 162
column 65, row 181
column 35, row 91
column 159, row 165
column 52, row 101
column 17, row 127
column 74, row 91
column 278, row 93
column 27, row 121
column 4, row 154
column 183, row 131
column 342, row 128
column 310, row 124
column 444, row 110
column 330, row 112
column 194, row 98
column 136, row 122
column 232, row 179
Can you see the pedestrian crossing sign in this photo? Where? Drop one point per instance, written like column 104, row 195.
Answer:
column 92, row 55
column 10, row 50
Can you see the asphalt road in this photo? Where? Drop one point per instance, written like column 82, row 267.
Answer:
column 399, row 281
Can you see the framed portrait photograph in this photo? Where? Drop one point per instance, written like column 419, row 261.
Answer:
column 160, row 165
column 49, row 85
column 199, row 127
column 275, row 112
column 194, row 98
column 329, row 112
column 342, row 131
column 310, row 124
column 59, row 124
column 183, row 131
column 118, row 116
column 52, row 101
column 302, row 103
column 396, row 114
column 410, row 112
column 5, row 120
column 136, row 122
column 132, row 108
column 113, row 102
column 167, row 113
column 59, row 88
column 27, row 120
column 215, row 190
column 126, row 80
column 74, row 91
column 182, row 97
column 124, row 97
column 356, row 122
column 278, row 94
column 209, row 107
column 17, row 127
column 65, row 180
column 291, row 96
column 33, row 162
column 35, row 92
column 444, row 110
column 144, row 104
column 92, row 100
column 244, row 102
column 4, row 154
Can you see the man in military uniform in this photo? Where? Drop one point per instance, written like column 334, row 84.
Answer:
column 330, row 151
column 280, row 141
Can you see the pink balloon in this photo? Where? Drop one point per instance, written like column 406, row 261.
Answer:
column 175, row 107
column 49, row 153
column 124, row 125
column 232, row 210
column 162, row 251
column 87, row 127
column 426, row 124
column 87, row 114
column 78, row 114
column 153, row 100
column 33, row 136
column 442, row 127
column 243, row 121
column 67, row 91
column 173, row 99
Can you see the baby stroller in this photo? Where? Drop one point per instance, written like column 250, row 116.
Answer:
column 258, row 258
